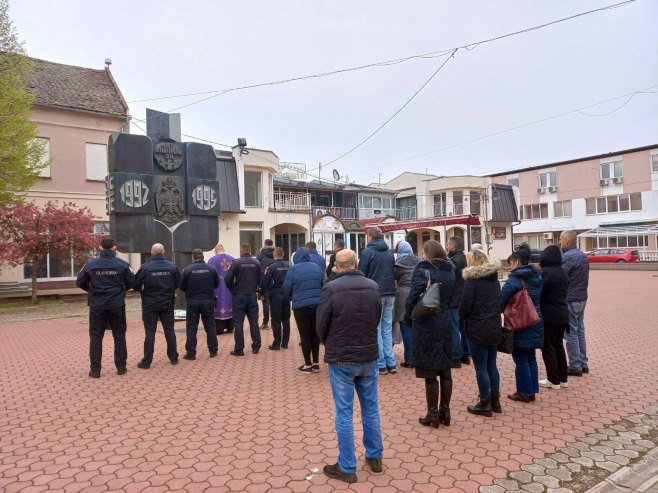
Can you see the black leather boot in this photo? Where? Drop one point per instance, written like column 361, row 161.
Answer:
column 446, row 395
column 495, row 402
column 432, row 397
column 482, row 408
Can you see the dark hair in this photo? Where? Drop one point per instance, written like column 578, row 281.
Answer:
column 197, row 254
column 245, row 248
column 551, row 256
column 433, row 249
column 457, row 241
column 311, row 245
column 268, row 242
column 339, row 243
column 107, row 243
column 521, row 253
column 278, row 252
column 375, row 233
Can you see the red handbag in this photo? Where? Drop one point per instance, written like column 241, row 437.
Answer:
column 520, row 312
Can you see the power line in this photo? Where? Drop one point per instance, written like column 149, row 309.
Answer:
column 517, row 127
column 385, row 63
column 396, row 113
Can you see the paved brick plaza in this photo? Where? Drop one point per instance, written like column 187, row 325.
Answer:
column 255, row 424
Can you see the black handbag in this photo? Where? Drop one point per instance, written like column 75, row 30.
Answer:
column 429, row 302
column 506, row 343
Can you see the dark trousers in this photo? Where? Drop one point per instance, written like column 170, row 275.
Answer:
column 245, row 304
column 206, row 310
column 266, row 308
column 280, row 305
column 99, row 320
column 553, row 353
column 150, row 317
column 224, row 325
column 305, row 318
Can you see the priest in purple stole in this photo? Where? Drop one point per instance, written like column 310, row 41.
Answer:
column 221, row 261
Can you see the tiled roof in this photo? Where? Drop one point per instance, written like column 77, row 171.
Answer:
column 75, row 88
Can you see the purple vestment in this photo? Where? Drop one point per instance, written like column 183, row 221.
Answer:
column 222, row 263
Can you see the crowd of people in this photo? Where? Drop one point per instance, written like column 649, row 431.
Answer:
column 358, row 311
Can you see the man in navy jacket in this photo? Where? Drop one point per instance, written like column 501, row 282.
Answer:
column 272, row 286
column 378, row 263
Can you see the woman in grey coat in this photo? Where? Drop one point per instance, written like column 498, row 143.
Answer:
column 404, row 268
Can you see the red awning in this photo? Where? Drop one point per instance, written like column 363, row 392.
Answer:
column 465, row 220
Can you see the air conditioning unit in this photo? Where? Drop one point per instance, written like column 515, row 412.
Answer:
column 552, row 189
column 541, row 190
column 548, row 236
column 604, row 182
column 618, row 180
column 320, row 212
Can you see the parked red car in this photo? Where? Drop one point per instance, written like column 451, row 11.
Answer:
column 613, row 255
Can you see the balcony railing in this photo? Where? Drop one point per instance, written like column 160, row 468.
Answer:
column 341, row 212
column 442, row 209
column 292, row 201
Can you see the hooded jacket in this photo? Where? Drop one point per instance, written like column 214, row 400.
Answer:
column 533, row 336
column 480, row 303
column 576, row 265
column 554, row 288
column 303, row 282
column 404, row 268
column 459, row 259
column 347, row 318
column 378, row 263
column 318, row 260
column 266, row 257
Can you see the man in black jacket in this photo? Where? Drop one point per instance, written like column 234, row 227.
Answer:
column 266, row 258
column 338, row 246
column 347, row 319
column 198, row 282
column 157, row 281
column 272, row 286
column 460, row 353
column 106, row 279
column 243, row 279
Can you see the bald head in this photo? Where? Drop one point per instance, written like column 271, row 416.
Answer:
column 567, row 238
column 345, row 260
column 219, row 248
column 157, row 248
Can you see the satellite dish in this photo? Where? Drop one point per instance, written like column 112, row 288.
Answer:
column 336, row 175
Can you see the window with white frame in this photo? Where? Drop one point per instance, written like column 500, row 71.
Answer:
column 547, row 179
column 96, row 162
column 612, row 169
column 562, row 208
column 613, row 203
column 513, row 182
column 44, row 143
column 253, row 189
column 534, row 211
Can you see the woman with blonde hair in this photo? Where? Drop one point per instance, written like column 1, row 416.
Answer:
column 480, row 310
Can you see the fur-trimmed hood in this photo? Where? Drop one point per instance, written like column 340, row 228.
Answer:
column 480, row 271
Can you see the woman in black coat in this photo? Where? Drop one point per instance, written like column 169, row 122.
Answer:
column 432, row 339
column 556, row 317
column 480, row 310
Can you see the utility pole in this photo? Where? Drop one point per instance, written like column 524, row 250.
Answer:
column 380, row 177
column 319, row 171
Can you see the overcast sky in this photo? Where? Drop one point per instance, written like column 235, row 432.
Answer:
column 165, row 47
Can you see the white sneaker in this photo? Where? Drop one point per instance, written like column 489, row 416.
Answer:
column 564, row 385
column 547, row 383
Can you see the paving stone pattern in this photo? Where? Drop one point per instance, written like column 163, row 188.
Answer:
column 255, row 424
column 626, row 449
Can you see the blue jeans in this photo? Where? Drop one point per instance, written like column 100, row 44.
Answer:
column 407, row 342
column 457, row 348
column 385, row 333
column 486, row 372
column 344, row 379
column 576, row 345
column 245, row 304
column 462, row 333
column 526, row 371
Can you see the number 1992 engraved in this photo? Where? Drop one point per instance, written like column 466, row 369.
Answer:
column 134, row 193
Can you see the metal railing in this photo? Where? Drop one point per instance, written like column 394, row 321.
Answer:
column 442, row 209
column 341, row 212
column 292, row 201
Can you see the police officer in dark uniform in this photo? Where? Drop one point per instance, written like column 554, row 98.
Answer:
column 157, row 281
column 198, row 282
column 272, row 285
column 106, row 280
column 243, row 279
